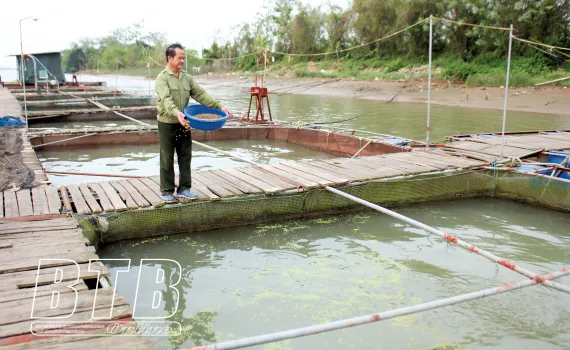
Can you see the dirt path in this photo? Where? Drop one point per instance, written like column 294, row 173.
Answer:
column 550, row 100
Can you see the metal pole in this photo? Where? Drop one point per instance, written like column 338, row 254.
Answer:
column 64, row 140
column 148, row 66
column 429, row 79
column 506, row 91
column 356, row 321
column 117, row 76
column 23, row 77
column 35, row 72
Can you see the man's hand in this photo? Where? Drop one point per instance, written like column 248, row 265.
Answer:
column 181, row 119
column 227, row 111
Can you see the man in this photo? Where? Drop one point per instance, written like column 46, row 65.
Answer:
column 174, row 88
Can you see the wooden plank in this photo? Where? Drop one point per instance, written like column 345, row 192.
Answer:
column 103, row 342
column 67, row 231
column 30, row 263
column 80, row 204
column 406, row 167
column 28, row 293
column 1, row 204
column 270, row 178
column 115, row 199
column 351, row 164
column 124, row 195
column 54, row 202
column 217, row 189
column 65, row 199
column 383, row 166
column 369, row 173
column 91, row 201
column 304, row 174
column 25, row 205
column 7, row 227
column 429, row 159
column 45, row 276
column 222, row 182
column 146, row 192
column 471, row 155
column 23, row 328
column 35, row 238
column 463, row 162
column 265, row 187
column 201, row 188
column 47, row 249
column 338, row 169
column 238, row 183
column 134, row 193
column 308, row 168
column 409, row 158
column 14, row 312
column 381, row 170
column 297, row 180
column 103, row 199
column 152, row 185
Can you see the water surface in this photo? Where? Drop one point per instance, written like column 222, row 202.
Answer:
column 254, row 280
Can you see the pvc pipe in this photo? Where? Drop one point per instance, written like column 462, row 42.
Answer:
column 437, row 232
column 346, row 323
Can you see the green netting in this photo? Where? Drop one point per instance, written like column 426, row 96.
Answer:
column 201, row 216
column 542, row 191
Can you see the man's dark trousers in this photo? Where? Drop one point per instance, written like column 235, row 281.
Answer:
column 174, row 137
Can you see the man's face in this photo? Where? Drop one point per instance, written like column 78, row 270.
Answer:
column 178, row 60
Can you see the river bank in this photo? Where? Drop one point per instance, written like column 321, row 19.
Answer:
column 550, row 100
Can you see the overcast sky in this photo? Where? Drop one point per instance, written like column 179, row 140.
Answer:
column 192, row 23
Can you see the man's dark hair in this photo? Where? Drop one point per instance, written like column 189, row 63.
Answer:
column 171, row 50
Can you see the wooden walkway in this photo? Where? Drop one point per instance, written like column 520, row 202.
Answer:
column 31, row 229
column 31, row 160
column 489, row 148
column 129, row 194
column 9, row 105
column 22, row 244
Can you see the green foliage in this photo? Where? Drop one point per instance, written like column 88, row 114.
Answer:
column 124, row 47
column 466, row 53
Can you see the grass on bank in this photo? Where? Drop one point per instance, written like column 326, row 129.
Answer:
column 481, row 71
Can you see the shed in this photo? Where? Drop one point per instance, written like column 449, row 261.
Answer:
column 45, row 66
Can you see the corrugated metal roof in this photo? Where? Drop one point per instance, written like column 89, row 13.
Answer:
column 36, row 53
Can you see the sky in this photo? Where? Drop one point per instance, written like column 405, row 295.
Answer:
column 195, row 24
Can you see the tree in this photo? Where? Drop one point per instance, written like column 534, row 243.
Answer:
column 76, row 60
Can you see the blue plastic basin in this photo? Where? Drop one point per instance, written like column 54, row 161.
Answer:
column 557, row 156
column 534, row 169
column 204, row 124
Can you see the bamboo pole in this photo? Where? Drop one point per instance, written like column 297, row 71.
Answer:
column 551, row 81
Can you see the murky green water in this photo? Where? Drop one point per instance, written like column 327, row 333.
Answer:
column 253, row 280
column 258, row 279
column 144, row 160
column 400, row 119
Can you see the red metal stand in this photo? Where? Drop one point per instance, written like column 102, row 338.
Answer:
column 258, row 93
